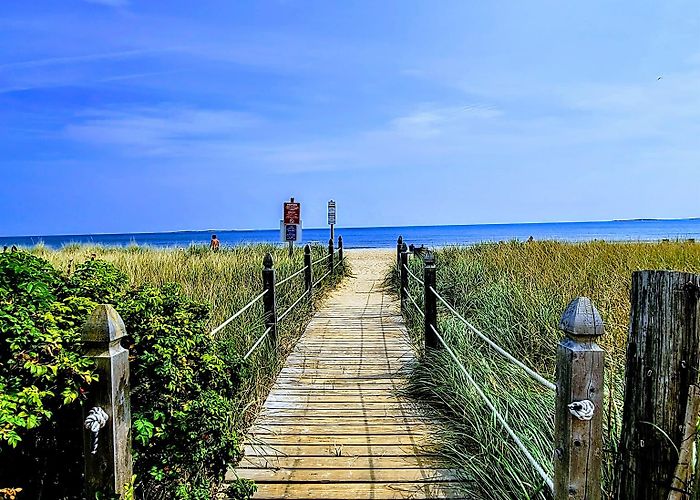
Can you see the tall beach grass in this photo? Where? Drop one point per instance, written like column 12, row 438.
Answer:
column 226, row 280
column 515, row 293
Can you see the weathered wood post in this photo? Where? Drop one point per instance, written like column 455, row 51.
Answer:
column 340, row 248
column 578, row 426
column 663, row 359
column 330, row 256
column 403, row 268
column 308, row 273
column 107, row 425
column 399, row 246
column 430, row 301
column 269, row 299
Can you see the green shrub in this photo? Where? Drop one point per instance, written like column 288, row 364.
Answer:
column 183, row 390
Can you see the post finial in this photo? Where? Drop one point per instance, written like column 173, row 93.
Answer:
column 103, row 325
column 428, row 258
column 307, row 249
column 340, row 239
column 404, row 247
column 581, row 319
column 267, row 261
column 400, row 240
column 330, row 241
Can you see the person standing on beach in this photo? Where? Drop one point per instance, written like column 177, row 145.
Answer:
column 214, row 243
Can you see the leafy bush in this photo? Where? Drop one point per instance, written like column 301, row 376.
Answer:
column 183, row 390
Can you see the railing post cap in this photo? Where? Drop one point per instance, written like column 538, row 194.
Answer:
column 330, row 241
column 340, row 238
column 307, row 249
column 267, row 261
column 429, row 258
column 104, row 325
column 581, row 319
column 404, row 247
column 400, row 240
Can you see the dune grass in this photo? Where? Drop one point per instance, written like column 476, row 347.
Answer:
column 226, row 280
column 515, row 293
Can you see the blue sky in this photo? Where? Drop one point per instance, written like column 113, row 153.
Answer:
column 127, row 115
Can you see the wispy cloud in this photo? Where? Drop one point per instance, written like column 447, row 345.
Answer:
column 165, row 130
column 110, row 3
column 78, row 59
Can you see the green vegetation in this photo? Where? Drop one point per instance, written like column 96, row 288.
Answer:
column 192, row 392
column 515, row 293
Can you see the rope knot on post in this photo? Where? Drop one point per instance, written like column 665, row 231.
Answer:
column 96, row 420
column 582, row 410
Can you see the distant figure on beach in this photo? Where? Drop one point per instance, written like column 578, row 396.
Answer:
column 214, row 243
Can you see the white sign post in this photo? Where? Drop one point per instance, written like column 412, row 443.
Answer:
column 331, row 217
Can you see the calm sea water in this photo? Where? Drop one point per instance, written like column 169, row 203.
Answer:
column 380, row 237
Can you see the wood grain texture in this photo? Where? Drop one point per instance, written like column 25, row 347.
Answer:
column 663, row 359
column 334, row 425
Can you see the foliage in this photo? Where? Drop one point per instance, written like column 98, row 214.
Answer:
column 515, row 293
column 191, row 391
column 241, row 489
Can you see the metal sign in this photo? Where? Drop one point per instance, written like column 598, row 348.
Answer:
column 290, row 232
column 331, row 212
column 292, row 212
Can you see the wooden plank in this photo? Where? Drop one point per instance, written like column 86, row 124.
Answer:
column 338, row 462
column 303, row 429
column 344, row 475
column 355, row 491
column 331, row 451
column 330, row 439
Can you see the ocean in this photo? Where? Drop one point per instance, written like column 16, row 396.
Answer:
column 385, row 237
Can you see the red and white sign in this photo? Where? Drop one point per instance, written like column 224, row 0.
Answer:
column 292, row 212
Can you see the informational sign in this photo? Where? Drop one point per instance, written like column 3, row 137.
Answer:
column 292, row 212
column 331, row 212
column 290, row 232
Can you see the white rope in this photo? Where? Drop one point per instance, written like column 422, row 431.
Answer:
column 96, row 420
column 281, row 317
column 257, row 343
column 320, row 260
column 413, row 275
column 414, row 303
column 498, row 415
column 582, row 410
column 292, row 276
column 533, row 374
column 322, row 278
column 245, row 308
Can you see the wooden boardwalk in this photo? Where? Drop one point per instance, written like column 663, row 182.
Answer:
column 333, row 426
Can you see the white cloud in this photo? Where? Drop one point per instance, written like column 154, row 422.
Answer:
column 110, row 3
column 165, row 130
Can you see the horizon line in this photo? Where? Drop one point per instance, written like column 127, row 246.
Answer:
column 212, row 230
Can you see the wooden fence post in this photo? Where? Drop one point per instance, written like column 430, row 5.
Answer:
column 308, row 273
column 403, row 263
column 578, row 426
column 107, row 424
column 340, row 248
column 663, row 359
column 399, row 246
column 430, row 301
column 269, row 300
column 330, row 255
